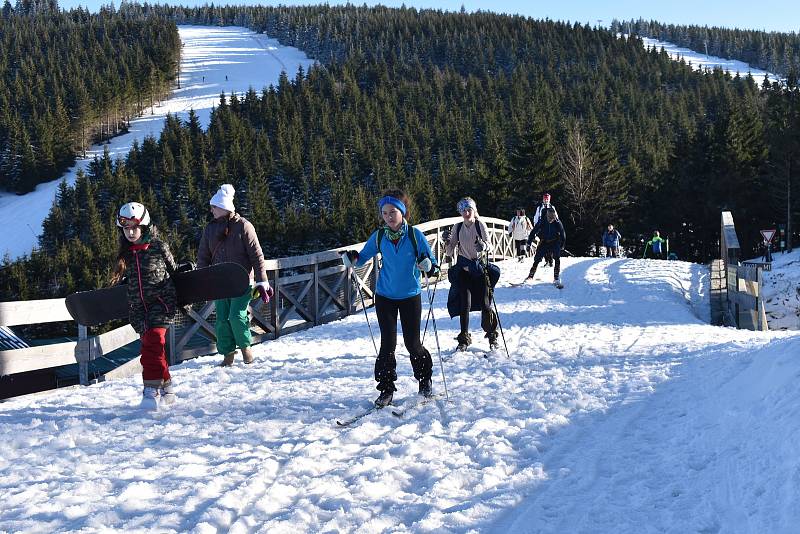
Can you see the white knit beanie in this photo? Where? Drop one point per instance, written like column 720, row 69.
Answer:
column 224, row 198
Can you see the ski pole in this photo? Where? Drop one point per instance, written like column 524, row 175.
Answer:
column 436, row 334
column 494, row 300
column 430, row 303
column 364, row 307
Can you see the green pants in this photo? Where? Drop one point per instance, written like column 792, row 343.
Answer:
column 233, row 324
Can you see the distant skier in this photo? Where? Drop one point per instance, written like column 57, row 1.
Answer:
column 405, row 253
column 611, row 238
column 655, row 248
column 468, row 279
column 519, row 229
column 232, row 238
column 152, row 300
column 541, row 209
column 552, row 237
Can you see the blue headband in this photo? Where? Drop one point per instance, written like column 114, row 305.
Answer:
column 396, row 202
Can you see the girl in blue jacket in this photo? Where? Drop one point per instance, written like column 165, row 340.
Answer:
column 405, row 253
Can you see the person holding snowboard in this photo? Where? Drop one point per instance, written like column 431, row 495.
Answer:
column 519, row 229
column 152, row 300
column 229, row 237
column 552, row 237
column 611, row 239
column 469, row 289
column 405, row 254
column 655, row 248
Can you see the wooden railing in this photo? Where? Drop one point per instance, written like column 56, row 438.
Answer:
column 309, row 290
column 744, row 305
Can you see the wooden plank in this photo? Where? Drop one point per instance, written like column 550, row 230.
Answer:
column 94, row 347
column 34, row 358
column 296, row 278
column 33, row 312
column 133, row 367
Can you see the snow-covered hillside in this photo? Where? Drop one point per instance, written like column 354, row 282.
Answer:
column 781, row 291
column 700, row 61
column 619, row 410
column 213, row 60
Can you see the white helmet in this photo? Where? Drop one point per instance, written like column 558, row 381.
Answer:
column 133, row 214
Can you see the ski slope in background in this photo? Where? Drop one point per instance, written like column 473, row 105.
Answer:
column 213, row 59
column 620, row 410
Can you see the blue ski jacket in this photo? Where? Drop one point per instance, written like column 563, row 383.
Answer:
column 399, row 278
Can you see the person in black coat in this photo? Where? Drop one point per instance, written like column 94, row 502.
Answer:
column 552, row 237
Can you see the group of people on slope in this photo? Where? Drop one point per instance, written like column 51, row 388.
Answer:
column 545, row 235
column 145, row 262
column 406, row 257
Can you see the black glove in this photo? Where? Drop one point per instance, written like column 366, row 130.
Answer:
column 446, row 234
column 185, row 267
column 349, row 258
column 434, row 272
column 123, row 281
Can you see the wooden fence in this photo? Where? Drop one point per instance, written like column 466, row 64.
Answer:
column 743, row 303
column 309, row 290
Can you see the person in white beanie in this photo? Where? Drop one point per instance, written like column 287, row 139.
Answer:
column 232, row 238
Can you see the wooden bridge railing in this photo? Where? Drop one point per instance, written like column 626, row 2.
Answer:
column 309, row 290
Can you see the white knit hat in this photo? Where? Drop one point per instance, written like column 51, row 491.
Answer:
column 224, row 198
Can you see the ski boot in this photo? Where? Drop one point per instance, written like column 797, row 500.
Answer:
column 464, row 341
column 494, row 345
column 558, row 284
column 426, row 388
column 384, row 399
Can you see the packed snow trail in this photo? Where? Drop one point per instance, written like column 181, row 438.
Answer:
column 620, row 410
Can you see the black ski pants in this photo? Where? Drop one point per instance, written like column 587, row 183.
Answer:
column 488, row 318
column 410, row 310
column 520, row 245
column 548, row 249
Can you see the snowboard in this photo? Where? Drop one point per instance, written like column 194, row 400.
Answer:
column 220, row 281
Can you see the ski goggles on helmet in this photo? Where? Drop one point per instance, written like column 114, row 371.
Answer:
column 128, row 221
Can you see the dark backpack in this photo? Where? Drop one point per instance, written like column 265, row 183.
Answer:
column 457, row 229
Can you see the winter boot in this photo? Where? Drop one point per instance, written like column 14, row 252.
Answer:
column 247, row 355
column 493, row 343
column 150, row 398
column 167, row 392
column 531, row 274
column 464, row 341
column 426, row 388
column 228, row 360
column 385, row 398
column 558, row 284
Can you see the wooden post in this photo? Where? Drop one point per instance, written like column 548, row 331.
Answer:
column 171, row 356
column 273, row 304
column 83, row 366
column 348, row 289
column 315, row 309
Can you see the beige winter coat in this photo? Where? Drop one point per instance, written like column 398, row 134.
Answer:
column 465, row 239
column 232, row 239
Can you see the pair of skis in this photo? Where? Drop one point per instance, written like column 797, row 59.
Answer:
column 556, row 283
column 397, row 410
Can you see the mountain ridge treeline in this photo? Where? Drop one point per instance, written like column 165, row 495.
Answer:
column 441, row 104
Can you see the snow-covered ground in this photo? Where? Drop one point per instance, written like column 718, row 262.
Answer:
column 701, row 61
column 620, row 410
column 213, row 60
column 781, row 291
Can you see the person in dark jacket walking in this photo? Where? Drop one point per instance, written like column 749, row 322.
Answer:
column 152, row 300
column 405, row 254
column 232, row 238
column 467, row 276
column 552, row 238
column 611, row 238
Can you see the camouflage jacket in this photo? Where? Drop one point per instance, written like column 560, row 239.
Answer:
column 152, row 300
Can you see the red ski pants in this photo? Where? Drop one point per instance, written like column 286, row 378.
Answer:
column 154, row 355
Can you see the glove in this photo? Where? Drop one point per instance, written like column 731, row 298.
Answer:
column 434, row 272
column 185, row 267
column 480, row 246
column 425, row 265
column 349, row 258
column 446, row 234
column 263, row 291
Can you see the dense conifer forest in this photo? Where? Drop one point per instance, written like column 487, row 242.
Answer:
column 501, row 108
column 69, row 79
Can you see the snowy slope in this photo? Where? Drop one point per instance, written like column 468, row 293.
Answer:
column 781, row 291
column 700, row 61
column 620, row 410
column 213, row 60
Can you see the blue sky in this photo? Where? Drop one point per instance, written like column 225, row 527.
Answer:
column 770, row 15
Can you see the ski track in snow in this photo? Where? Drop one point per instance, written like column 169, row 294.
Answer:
column 619, row 410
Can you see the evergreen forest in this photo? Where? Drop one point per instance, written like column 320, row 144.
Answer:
column 441, row 104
